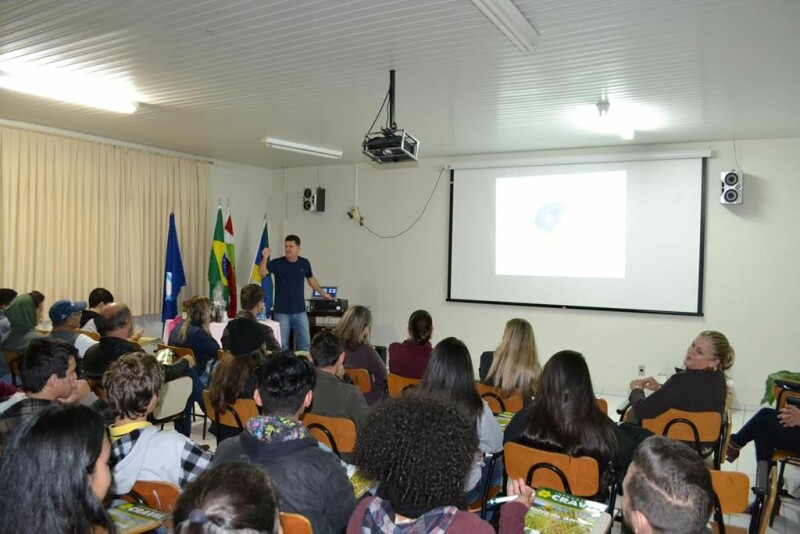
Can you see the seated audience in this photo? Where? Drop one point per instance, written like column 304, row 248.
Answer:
column 234, row 376
column 55, row 473
column 193, row 333
column 98, row 298
column 139, row 450
column 353, row 331
column 771, row 430
column 47, row 372
column 667, row 489
column 116, row 330
column 450, row 376
column 333, row 396
column 230, row 498
column 420, row 450
column 65, row 316
column 410, row 358
column 565, row 418
column 6, row 296
column 701, row 387
column 309, row 480
column 251, row 298
column 23, row 314
column 515, row 362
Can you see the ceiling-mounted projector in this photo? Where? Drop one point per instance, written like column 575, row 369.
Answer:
column 390, row 144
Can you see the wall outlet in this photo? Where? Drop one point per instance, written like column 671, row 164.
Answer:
column 641, row 370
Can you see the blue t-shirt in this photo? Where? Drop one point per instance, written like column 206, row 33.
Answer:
column 289, row 279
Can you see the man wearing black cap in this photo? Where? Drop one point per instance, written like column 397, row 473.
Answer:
column 66, row 318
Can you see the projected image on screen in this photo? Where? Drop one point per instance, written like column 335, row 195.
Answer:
column 564, row 225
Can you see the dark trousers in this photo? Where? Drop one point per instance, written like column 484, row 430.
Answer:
column 184, row 424
column 769, row 434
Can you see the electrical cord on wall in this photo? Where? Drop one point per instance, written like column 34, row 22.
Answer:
column 424, row 208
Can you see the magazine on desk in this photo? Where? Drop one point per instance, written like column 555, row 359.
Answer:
column 134, row 517
column 555, row 512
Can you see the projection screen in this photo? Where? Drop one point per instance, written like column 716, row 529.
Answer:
column 624, row 236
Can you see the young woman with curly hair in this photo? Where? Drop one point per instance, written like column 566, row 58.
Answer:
column 419, row 450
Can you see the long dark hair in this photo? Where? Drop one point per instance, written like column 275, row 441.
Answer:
column 565, row 417
column 46, row 467
column 230, row 377
column 450, row 376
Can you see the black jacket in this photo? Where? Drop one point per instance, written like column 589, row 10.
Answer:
column 309, row 480
column 266, row 333
column 109, row 349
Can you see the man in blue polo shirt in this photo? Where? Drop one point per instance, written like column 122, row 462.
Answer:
column 290, row 305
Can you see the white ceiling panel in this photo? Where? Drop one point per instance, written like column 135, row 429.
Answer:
column 217, row 76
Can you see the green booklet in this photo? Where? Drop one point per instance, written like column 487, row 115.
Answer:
column 504, row 418
column 130, row 518
column 360, row 483
column 555, row 512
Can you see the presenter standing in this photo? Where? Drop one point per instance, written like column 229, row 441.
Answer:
column 290, row 306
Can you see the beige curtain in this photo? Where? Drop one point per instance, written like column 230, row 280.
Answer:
column 75, row 215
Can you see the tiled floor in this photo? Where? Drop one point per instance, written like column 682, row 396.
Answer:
column 788, row 522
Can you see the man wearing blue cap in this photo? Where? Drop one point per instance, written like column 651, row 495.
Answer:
column 66, row 318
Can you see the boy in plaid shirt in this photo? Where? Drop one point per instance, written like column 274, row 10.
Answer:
column 139, row 451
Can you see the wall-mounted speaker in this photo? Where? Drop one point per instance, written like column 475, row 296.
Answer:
column 732, row 186
column 314, row 199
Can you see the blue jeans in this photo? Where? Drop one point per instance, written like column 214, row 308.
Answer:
column 297, row 322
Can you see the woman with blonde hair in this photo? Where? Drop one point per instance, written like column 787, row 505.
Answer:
column 353, row 332
column 700, row 387
column 193, row 332
column 515, row 362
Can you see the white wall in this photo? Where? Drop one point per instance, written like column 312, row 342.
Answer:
column 752, row 263
column 252, row 192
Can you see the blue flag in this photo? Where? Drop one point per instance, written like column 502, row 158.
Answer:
column 174, row 278
column 255, row 276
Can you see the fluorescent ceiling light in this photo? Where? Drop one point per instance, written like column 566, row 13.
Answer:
column 509, row 20
column 300, row 148
column 616, row 117
column 85, row 90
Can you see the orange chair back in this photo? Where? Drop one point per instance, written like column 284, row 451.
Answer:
column 582, row 473
column 398, row 384
column 783, row 390
column 235, row 415
column 681, row 425
column 295, row 524
column 155, row 494
column 338, row 433
column 360, row 378
column 732, row 489
column 603, row 405
column 498, row 402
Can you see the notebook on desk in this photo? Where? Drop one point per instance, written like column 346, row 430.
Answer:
column 330, row 290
